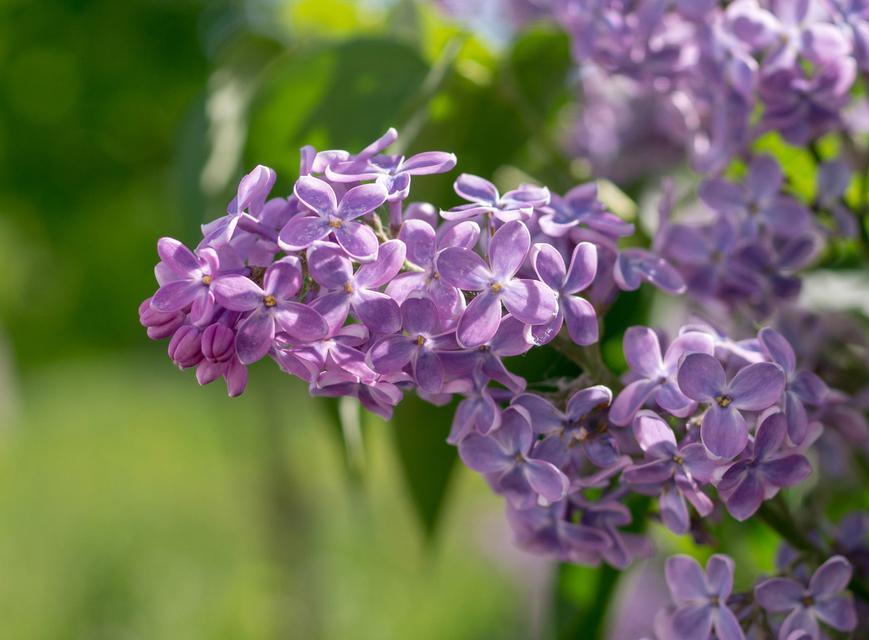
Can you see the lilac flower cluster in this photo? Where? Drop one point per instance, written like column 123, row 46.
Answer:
column 787, row 607
column 358, row 304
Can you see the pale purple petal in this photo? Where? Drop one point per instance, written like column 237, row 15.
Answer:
column 530, row 301
column 508, row 248
column 585, row 400
column 757, row 386
column 582, row 269
column 375, row 274
column 650, row 430
column 692, row 622
column 778, row 348
column 630, row 400
column 301, row 321
column 745, row 498
column 361, row 200
column 176, row 256
column 317, row 195
column 177, row 295
column 429, row 372
column 377, row 311
column 770, row 436
column 255, row 336
column 464, row 269
column 419, row 316
column 689, row 342
column 719, row 575
column 724, row 431
column 674, row 401
column 722, row 196
column 480, row 320
column 579, row 315
column 358, row 240
column 838, row 612
column 800, row 619
column 727, row 626
column 831, row 577
column 302, row 231
column 419, row 238
column 764, row 178
column 545, row 478
column 643, row 352
column 237, row 293
column 429, row 162
column 549, row 265
column 701, row 377
column 484, row 454
column 674, row 511
column 786, row 471
column 779, row 594
column 329, row 267
column 476, row 189
column 391, row 353
column 283, row 279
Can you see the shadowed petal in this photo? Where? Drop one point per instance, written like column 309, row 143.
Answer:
column 674, row 511
column 727, row 626
column 549, row 265
column 377, row 311
column 786, row 471
column 800, row 619
column 838, row 612
column 722, row 196
column 301, row 321
column 770, row 436
column 484, row 454
column 255, row 336
column 630, row 400
column 643, row 352
column 831, row 577
column 584, row 400
column 746, row 497
column 650, row 430
column 545, row 478
column 779, row 594
column 692, row 622
column 177, row 295
column 685, row 578
column 583, row 268
column 419, row 238
column 329, row 267
column 580, row 318
column 283, row 279
column 391, row 354
column 429, row 372
column 779, row 349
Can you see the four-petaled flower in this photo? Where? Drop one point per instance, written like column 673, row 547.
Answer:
column 530, row 301
column 485, row 200
column 724, row 431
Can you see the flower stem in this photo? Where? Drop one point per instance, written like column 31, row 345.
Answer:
column 588, row 358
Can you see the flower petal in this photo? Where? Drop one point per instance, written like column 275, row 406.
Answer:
column 317, row 195
column 580, row 318
column 480, row 321
column 464, row 269
column 484, row 454
column 389, row 260
column 530, row 301
column 545, row 478
column 770, row 436
column 302, row 231
column 429, row 162
column 779, row 594
column 757, row 386
column 508, row 248
column 419, row 238
column 583, row 268
column 391, row 354
column 685, row 579
column 585, row 400
column 301, row 321
column 651, row 430
column 476, row 189
column 175, row 296
column 745, row 498
column 778, row 349
column 237, row 293
column 255, row 336
column 549, row 265
column 724, row 432
column 176, row 256
column 360, row 200
column 630, row 400
column 786, row 471
column 429, row 371
column 643, row 352
column 329, row 267
column 358, row 240
column 727, row 626
column 722, row 196
column 701, row 377
column 831, row 577
column 838, row 612
column 377, row 311
column 691, row 622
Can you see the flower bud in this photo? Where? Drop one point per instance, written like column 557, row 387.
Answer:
column 218, row 342
column 184, row 347
column 160, row 324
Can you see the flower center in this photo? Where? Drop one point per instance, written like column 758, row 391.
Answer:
column 678, row 459
column 714, row 601
column 723, row 401
column 420, row 340
column 335, row 223
column 206, row 280
column 269, row 301
column 496, row 287
column 348, row 288
column 807, row 600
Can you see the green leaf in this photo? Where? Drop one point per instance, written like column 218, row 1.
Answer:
column 343, row 96
column 420, row 431
column 540, row 62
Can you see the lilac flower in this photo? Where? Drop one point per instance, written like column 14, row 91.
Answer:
column 528, row 300
column 758, row 200
column 635, row 265
column 821, row 600
column 485, row 200
column 271, row 308
column 679, row 468
column 478, row 411
column 802, row 387
column 423, row 247
column 187, row 280
column 334, row 218
column 185, row 348
column 833, row 179
column 758, row 386
column 510, row 339
column 252, row 192
column 574, row 430
column 701, row 599
column 504, row 456
column 548, row 530
column 655, row 376
column 608, row 516
column 339, row 351
column 232, row 371
column 379, row 396
column 392, row 172
column 218, row 342
column 580, row 206
column 342, row 290
column 417, row 344
column 760, row 474
column 575, row 311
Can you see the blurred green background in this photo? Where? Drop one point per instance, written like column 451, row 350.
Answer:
column 135, row 504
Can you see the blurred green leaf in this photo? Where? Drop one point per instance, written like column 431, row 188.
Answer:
column 541, row 63
column 420, row 431
column 343, row 96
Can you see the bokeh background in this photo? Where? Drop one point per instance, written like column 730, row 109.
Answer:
column 136, row 504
